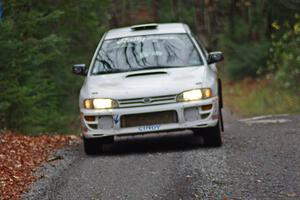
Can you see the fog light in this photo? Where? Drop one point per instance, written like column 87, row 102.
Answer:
column 207, row 107
column 89, row 118
column 191, row 114
column 106, row 122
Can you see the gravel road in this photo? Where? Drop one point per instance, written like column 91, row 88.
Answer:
column 260, row 159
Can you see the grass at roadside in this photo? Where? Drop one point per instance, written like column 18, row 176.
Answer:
column 259, row 97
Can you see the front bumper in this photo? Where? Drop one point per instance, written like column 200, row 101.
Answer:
column 199, row 119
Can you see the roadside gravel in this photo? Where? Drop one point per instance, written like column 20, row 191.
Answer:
column 257, row 161
column 60, row 161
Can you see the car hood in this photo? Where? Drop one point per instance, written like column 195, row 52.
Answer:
column 145, row 83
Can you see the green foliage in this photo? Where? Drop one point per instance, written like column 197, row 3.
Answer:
column 40, row 40
column 244, row 41
column 245, row 58
column 260, row 98
column 284, row 61
column 28, row 58
column 38, row 44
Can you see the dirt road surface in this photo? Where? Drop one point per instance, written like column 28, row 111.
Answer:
column 260, row 159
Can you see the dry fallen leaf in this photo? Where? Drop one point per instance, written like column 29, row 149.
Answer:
column 291, row 194
column 20, row 155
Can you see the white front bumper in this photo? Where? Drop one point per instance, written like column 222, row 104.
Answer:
column 210, row 120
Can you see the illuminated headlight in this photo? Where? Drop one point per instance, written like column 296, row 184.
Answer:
column 194, row 95
column 100, row 103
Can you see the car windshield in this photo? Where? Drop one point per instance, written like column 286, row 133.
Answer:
column 145, row 52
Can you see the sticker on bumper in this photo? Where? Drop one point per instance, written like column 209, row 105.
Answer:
column 149, row 128
column 116, row 119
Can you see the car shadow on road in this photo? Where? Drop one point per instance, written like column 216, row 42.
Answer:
column 153, row 143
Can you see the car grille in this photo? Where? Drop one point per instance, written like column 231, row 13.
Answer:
column 165, row 117
column 147, row 101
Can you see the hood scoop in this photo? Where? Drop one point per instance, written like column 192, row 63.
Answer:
column 145, row 74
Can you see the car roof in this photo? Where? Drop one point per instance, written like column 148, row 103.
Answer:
column 147, row 29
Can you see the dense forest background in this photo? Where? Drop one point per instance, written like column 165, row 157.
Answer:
column 40, row 40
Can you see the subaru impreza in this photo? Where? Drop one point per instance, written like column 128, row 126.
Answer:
column 150, row 78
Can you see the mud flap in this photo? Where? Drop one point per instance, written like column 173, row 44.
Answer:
column 220, row 103
column 221, row 120
column 220, row 93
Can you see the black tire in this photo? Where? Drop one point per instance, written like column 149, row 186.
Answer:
column 95, row 145
column 212, row 136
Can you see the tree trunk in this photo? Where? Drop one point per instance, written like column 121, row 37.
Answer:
column 1, row 10
column 128, row 14
column 232, row 13
column 155, row 10
column 200, row 26
column 267, row 19
column 175, row 10
column 113, row 21
column 198, row 4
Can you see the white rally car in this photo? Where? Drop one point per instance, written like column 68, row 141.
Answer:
column 150, row 78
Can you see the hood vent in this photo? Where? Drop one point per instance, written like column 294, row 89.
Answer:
column 145, row 74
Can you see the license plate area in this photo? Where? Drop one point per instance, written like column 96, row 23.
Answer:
column 144, row 119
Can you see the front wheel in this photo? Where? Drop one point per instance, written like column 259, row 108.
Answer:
column 212, row 136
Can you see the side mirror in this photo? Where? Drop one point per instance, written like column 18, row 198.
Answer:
column 215, row 57
column 79, row 69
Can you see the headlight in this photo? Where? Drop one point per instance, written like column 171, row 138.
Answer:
column 100, row 103
column 194, row 95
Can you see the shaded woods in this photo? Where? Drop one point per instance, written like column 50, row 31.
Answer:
column 40, row 40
